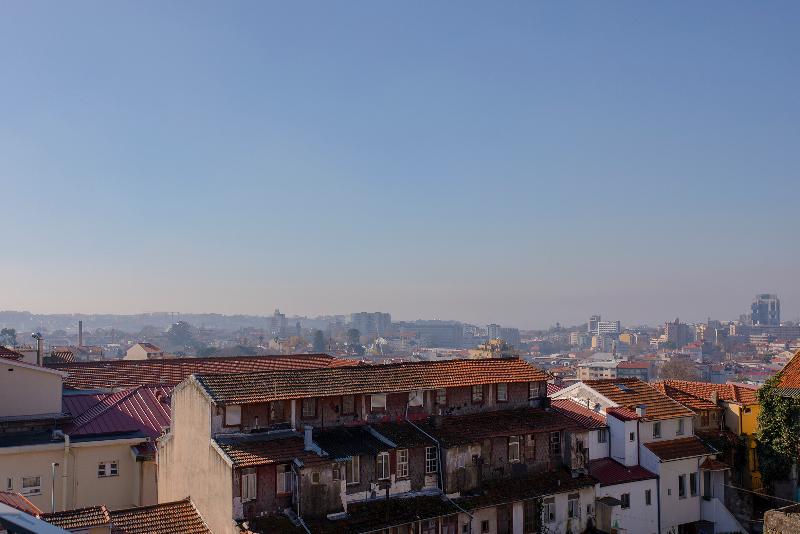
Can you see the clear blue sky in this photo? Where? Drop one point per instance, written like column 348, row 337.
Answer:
column 516, row 162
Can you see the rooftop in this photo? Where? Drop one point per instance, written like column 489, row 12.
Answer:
column 18, row 501
column 249, row 450
column 78, row 518
column 737, row 393
column 580, row 414
column 9, row 354
column 632, row 392
column 674, row 449
column 111, row 374
column 260, row 387
column 790, row 375
column 610, row 472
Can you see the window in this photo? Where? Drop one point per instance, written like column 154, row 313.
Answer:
column 233, row 415
column 680, row 427
column 248, row 484
column 353, row 470
column 9, row 484
column 648, row 497
column 502, row 392
column 530, row 521
column 477, row 393
column 626, row 500
column 632, row 436
column 549, row 510
column 309, row 409
column 337, row 472
column 284, row 481
column 602, row 435
column 402, row 463
column 315, row 477
column 513, row 449
column 682, row 486
column 707, row 492
column 277, row 412
column 656, row 430
column 429, row 526
column 377, row 402
column 349, row 404
column 431, row 460
column 555, row 443
column 416, row 398
column 573, row 506
column 441, row 397
column 704, row 418
column 533, row 390
column 693, row 484
column 484, row 526
column 107, row 469
column 383, row 465
column 31, row 485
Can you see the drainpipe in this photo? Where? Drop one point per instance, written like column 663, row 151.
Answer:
column 65, row 475
column 658, row 499
column 53, row 486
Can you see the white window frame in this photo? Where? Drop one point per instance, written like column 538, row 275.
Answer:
column 233, row 415
column 31, row 489
column 513, row 449
column 402, row 463
column 431, row 460
column 573, row 507
column 249, row 484
column 108, row 469
column 353, row 470
column 602, row 435
column 382, row 469
column 441, row 397
column 284, row 479
column 377, row 402
column 502, row 392
column 549, row 510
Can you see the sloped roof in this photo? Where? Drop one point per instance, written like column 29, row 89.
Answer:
column 365, row 379
column 264, row 449
column 9, row 354
column 632, row 392
column 149, row 347
column 633, row 365
column 623, row 414
column 737, row 393
column 673, row 449
column 112, row 374
column 712, row 464
column 142, row 408
column 78, row 518
column 610, row 472
column 60, row 356
column 685, row 398
column 581, row 414
column 18, row 501
column 790, row 374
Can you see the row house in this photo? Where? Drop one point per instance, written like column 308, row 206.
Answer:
column 649, row 430
column 459, row 445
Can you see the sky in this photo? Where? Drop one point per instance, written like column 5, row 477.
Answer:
column 514, row 162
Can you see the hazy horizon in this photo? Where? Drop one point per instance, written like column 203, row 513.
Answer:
column 521, row 163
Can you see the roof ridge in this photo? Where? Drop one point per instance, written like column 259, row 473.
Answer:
column 88, row 416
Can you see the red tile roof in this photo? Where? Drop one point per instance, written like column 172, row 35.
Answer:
column 165, row 518
column 9, row 354
column 679, row 448
column 688, row 400
column 79, row 518
column 61, row 356
column 142, row 408
column 112, row 374
column 711, row 464
column 736, row 393
column 623, row 414
column 552, row 388
column 365, row 379
column 633, row 365
column 250, row 451
column 632, row 392
column 18, row 501
column 581, row 414
column 790, row 375
column 610, row 472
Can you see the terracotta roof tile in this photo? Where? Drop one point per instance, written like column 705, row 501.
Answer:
column 581, row 414
column 701, row 391
column 610, row 472
column 623, row 414
column 632, row 392
column 113, row 374
column 165, row 518
column 9, row 354
column 18, row 501
column 77, row 518
column 679, row 448
column 712, row 464
column 364, row 379
column 790, row 375
column 688, row 400
column 265, row 449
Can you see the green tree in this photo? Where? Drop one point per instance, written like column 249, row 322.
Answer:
column 354, row 341
column 319, row 341
column 180, row 334
column 678, row 369
column 8, row 336
column 778, row 436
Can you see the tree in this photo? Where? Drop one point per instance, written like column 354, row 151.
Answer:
column 319, row 341
column 678, row 369
column 354, row 341
column 180, row 334
column 778, row 435
column 8, row 336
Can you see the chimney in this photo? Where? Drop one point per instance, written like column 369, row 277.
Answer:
column 308, row 438
column 641, row 410
column 80, row 334
column 39, row 347
column 715, row 397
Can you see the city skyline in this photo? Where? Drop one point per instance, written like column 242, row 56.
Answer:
column 520, row 164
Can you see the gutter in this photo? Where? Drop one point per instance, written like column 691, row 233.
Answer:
column 65, row 475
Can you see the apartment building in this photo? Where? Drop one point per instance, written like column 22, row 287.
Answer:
column 450, row 446
column 649, row 430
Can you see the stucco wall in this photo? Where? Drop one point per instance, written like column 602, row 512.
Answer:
column 26, row 391
column 639, row 518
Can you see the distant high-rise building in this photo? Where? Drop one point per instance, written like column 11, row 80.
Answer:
column 678, row 333
column 593, row 321
column 766, row 310
column 278, row 324
column 371, row 323
column 493, row 331
column 510, row 336
column 607, row 327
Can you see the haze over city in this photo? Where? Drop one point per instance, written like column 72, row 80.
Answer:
column 525, row 163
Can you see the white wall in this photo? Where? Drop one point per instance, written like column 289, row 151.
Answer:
column 674, row 510
column 597, row 449
column 669, row 429
column 25, row 390
column 639, row 518
column 622, row 449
